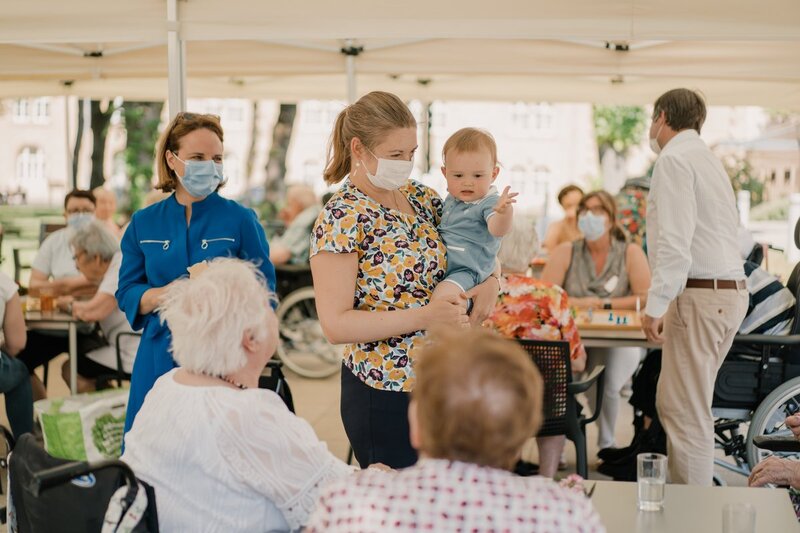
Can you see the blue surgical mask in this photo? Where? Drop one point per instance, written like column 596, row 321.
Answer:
column 200, row 178
column 79, row 220
column 592, row 226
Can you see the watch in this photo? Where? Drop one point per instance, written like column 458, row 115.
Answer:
column 606, row 303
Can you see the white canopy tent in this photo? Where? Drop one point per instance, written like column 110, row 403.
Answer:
column 735, row 51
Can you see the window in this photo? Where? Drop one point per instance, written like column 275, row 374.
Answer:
column 35, row 110
column 773, row 176
column 30, row 163
column 542, row 115
column 787, row 175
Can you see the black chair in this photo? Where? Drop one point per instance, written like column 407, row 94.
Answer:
column 562, row 412
column 58, row 496
column 102, row 382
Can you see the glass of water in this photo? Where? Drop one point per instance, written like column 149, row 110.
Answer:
column 651, row 470
column 738, row 518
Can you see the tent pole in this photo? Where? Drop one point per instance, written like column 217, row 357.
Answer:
column 350, row 53
column 176, row 61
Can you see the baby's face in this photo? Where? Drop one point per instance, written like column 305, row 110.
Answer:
column 469, row 174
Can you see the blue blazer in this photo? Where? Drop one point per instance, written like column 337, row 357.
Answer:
column 157, row 248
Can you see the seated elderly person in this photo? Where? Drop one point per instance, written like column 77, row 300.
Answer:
column 97, row 257
column 529, row 308
column 478, row 398
column 299, row 214
column 779, row 471
column 105, row 210
column 222, row 454
column 14, row 382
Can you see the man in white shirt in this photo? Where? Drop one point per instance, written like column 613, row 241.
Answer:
column 698, row 296
column 54, row 266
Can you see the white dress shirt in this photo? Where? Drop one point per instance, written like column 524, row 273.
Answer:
column 691, row 221
column 54, row 257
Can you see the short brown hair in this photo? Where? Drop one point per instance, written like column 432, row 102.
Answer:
column 373, row 116
column 478, row 397
column 566, row 190
column 609, row 206
column 470, row 140
column 683, row 109
column 180, row 126
column 80, row 193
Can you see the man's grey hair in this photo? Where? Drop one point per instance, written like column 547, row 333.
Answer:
column 303, row 194
column 95, row 241
column 210, row 314
column 519, row 245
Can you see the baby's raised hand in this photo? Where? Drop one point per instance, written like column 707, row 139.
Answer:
column 505, row 200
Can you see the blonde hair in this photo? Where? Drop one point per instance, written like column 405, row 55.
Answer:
column 369, row 120
column 478, row 397
column 180, row 126
column 470, row 140
column 209, row 316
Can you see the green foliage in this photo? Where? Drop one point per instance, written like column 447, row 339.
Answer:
column 743, row 178
column 618, row 128
column 141, row 123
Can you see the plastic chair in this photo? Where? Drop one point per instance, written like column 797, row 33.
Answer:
column 562, row 412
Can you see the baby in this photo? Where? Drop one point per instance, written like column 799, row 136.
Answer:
column 474, row 217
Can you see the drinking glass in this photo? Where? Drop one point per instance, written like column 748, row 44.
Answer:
column 651, row 470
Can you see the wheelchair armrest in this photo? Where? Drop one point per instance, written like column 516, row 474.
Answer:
column 769, row 340
column 577, row 387
column 777, row 443
column 53, row 477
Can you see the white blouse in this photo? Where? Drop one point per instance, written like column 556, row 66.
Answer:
column 223, row 459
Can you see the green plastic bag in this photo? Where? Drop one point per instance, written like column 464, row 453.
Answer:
column 84, row 427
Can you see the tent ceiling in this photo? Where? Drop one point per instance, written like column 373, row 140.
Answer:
column 735, row 51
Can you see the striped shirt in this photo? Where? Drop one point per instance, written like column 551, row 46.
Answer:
column 691, row 221
column 771, row 308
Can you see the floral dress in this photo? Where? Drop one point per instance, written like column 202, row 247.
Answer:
column 529, row 308
column 401, row 258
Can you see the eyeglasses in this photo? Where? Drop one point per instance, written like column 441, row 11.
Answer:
column 596, row 210
column 80, row 211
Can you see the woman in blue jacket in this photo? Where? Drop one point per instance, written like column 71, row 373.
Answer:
column 190, row 226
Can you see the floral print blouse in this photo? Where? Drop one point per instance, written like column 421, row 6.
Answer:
column 529, row 308
column 401, row 258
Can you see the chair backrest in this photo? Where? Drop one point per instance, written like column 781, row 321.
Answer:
column 552, row 359
column 46, row 228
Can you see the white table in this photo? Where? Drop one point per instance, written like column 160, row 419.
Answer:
column 690, row 509
column 58, row 321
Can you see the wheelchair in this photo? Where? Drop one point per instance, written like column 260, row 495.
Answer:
column 303, row 347
column 757, row 387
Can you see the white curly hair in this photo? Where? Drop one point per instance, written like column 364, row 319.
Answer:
column 210, row 314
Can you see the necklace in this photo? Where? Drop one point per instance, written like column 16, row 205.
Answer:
column 236, row 384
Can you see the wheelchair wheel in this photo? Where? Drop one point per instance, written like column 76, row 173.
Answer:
column 303, row 347
column 768, row 419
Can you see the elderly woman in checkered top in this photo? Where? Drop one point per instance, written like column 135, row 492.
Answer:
column 478, row 399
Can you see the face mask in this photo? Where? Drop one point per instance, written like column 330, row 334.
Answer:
column 200, row 178
column 654, row 146
column 592, row 226
column 391, row 174
column 79, row 220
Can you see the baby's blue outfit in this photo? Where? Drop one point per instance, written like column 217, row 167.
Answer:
column 471, row 249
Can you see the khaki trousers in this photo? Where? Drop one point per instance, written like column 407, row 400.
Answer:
column 698, row 332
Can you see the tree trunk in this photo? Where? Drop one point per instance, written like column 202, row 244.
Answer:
column 274, row 187
column 76, row 151
column 99, row 123
column 251, row 150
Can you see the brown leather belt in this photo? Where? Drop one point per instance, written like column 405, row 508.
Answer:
column 715, row 284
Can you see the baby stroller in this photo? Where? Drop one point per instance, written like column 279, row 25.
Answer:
column 52, row 495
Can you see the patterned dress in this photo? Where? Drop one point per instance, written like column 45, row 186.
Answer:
column 401, row 258
column 529, row 308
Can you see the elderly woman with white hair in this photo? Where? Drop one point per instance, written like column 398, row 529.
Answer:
column 529, row 308
column 222, row 454
column 97, row 257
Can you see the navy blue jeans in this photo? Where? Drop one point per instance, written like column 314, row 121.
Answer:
column 15, row 383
